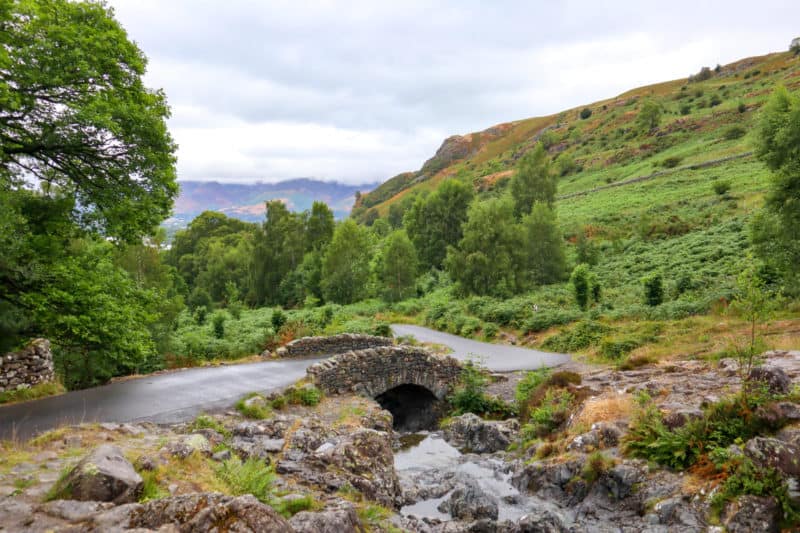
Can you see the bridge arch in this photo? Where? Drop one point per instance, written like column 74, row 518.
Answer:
column 409, row 381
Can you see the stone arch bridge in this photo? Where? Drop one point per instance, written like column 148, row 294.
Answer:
column 410, row 382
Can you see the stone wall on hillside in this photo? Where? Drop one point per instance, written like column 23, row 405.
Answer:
column 346, row 342
column 27, row 367
column 374, row 371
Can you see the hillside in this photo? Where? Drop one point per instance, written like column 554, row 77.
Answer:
column 245, row 201
column 705, row 119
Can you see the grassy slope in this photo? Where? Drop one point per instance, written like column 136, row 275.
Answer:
column 674, row 223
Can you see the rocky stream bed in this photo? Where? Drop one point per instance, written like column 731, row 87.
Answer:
column 471, row 475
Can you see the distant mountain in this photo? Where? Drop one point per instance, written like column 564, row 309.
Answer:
column 246, row 201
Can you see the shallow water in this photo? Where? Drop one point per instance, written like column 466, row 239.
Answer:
column 433, row 452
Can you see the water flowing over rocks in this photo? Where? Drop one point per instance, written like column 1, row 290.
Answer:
column 27, row 367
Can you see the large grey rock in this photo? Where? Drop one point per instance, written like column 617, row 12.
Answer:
column 774, row 453
column 338, row 518
column 752, row 513
column 620, row 480
column 476, row 435
column 189, row 513
column 104, row 475
column 540, row 521
column 773, row 377
column 470, row 502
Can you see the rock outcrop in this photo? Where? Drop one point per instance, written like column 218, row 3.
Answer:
column 105, row 475
column 471, row 433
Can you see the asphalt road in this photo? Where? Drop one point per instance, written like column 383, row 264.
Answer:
column 180, row 396
column 496, row 357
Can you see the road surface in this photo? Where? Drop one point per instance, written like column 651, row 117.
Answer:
column 496, row 357
column 180, row 396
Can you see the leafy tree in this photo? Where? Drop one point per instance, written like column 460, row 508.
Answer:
column 75, row 114
column 345, row 266
column 544, row 253
column 585, row 249
column 218, row 325
column 581, row 285
column 534, row 181
column 319, row 226
column 653, row 289
column 278, row 251
column 434, row 222
column 489, row 258
column 776, row 231
column 399, row 266
column 395, row 216
column 649, row 116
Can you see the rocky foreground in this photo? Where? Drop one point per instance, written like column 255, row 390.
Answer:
column 334, row 470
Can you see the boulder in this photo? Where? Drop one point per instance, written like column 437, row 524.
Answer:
column 189, row 444
column 620, row 480
column 680, row 417
column 105, row 475
column 261, row 447
column 338, row 518
column 476, row 435
column 752, row 513
column 539, row 521
column 470, row 502
column 187, row 513
column 774, row 453
column 773, row 377
column 777, row 414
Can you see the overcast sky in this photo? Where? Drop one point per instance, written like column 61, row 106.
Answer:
column 360, row 91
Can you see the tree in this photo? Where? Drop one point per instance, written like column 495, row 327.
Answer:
column 545, row 261
column 279, row 250
column 395, row 216
column 434, row 222
column 585, row 249
column 319, row 226
column 649, row 116
column 534, row 181
column 489, row 258
column 776, row 231
column 345, row 267
column 75, row 114
column 653, row 289
column 399, row 267
column 580, row 285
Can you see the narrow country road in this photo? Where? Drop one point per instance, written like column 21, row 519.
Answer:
column 180, row 396
column 496, row 357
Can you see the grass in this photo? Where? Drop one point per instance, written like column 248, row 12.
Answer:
column 252, row 476
column 205, row 421
column 256, row 410
column 41, row 390
column 604, row 409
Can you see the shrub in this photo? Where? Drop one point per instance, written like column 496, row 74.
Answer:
column 551, row 413
column 653, row 289
column 586, row 113
column 616, row 348
column 734, row 132
column 742, row 107
column 580, row 285
column 533, row 389
column 686, row 109
column 206, row 422
column 469, row 396
column 291, row 506
column 721, row 188
column 596, row 465
column 308, row 395
column 584, row 334
column 382, row 329
column 715, row 101
column 529, row 383
column 200, row 314
column 218, row 325
column 490, row 330
column 547, row 318
column 278, row 319
column 256, row 410
column 278, row 402
column 671, row 162
column 252, row 476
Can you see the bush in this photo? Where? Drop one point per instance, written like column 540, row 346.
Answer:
column 218, row 325
column 258, row 411
column 308, row 395
column 552, row 412
column 742, row 107
column 744, row 477
column 586, row 113
column 734, row 132
column 596, row 465
column 490, row 330
column 469, row 396
column 206, row 422
column 382, row 329
column 671, row 162
column 653, row 289
column 580, row 285
column 532, row 391
column 715, row 101
column 547, row 318
column 584, row 334
column 721, row 188
column 278, row 319
column 617, row 348
column 686, row 109
column 200, row 314
column 529, row 383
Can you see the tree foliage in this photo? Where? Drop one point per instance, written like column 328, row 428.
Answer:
column 534, row 181
column 345, row 267
column 399, row 268
column 434, row 223
column 543, row 246
column 649, row 116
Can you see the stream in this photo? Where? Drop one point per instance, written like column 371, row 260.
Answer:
column 431, row 469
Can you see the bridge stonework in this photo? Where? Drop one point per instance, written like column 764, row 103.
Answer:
column 345, row 342
column 374, row 371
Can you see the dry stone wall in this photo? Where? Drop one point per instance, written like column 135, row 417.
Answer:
column 346, row 342
column 374, row 371
column 30, row 366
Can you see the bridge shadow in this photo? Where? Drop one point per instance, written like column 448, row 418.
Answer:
column 413, row 407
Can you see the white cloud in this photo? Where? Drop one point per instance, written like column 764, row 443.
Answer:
column 361, row 90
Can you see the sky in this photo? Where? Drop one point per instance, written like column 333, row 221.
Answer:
column 357, row 92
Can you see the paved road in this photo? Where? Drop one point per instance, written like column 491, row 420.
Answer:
column 180, row 396
column 497, row 357
column 165, row 398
